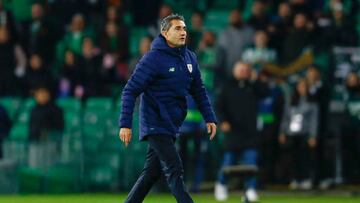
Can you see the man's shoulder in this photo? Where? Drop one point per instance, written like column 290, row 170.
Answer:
column 150, row 56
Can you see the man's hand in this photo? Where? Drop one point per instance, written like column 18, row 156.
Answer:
column 225, row 126
column 282, row 138
column 125, row 135
column 312, row 142
column 211, row 129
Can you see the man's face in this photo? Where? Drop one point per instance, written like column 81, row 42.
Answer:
column 242, row 71
column 176, row 35
column 42, row 96
column 36, row 11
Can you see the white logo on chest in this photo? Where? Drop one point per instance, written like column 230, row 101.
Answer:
column 190, row 68
column 172, row 69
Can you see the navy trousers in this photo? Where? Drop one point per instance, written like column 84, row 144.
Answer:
column 161, row 157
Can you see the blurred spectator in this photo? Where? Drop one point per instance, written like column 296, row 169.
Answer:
column 46, row 116
column 38, row 74
column 5, row 126
column 91, row 75
column 298, row 38
column 70, row 75
column 258, row 20
column 280, row 26
column 144, row 47
column 165, row 10
column 342, row 28
column 115, row 46
column 237, row 109
column 114, row 42
column 350, row 138
column 113, row 15
column 74, row 37
column 320, row 96
column 7, row 20
column 270, row 111
column 299, row 131
column 193, row 130
column 234, row 39
column 196, row 30
column 260, row 53
column 38, row 35
column 12, row 63
column 336, row 29
column 211, row 60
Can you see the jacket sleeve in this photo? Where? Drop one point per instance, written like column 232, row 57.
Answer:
column 198, row 92
column 143, row 75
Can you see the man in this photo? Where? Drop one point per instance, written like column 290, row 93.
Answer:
column 45, row 117
column 163, row 77
column 237, row 111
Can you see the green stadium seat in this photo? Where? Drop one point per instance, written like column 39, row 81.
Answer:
column 95, row 118
column 228, row 4
column 23, row 117
column 15, row 150
column 12, row 105
column 247, row 9
column 216, row 20
column 70, row 104
column 72, row 121
column 19, row 132
column 28, row 104
column 64, row 178
column 31, row 180
column 99, row 104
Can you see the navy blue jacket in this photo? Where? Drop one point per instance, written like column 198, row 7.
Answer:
column 163, row 77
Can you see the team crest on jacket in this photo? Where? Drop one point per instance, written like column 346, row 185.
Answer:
column 190, row 67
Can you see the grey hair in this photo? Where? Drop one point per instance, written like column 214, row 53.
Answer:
column 166, row 22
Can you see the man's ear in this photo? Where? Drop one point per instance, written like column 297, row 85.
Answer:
column 164, row 33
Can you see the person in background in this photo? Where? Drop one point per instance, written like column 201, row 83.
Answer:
column 38, row 74
column 320, row 97
column 298, row 38
column 70, row 76
column 7, row 20
column 211, row 59
column 12, row 64
column 91, row 76
column 280, row 26
column 259, row 19
column 39, row 35
column 45, row 117
column 237, row 109
column 115, row 48
column 233, row 40
column 260, row 53
column 299, row 131
column 350, row 139
column 196, row 30
column 270, row 111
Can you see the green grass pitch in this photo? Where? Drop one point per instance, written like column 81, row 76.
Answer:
column 166, row 198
